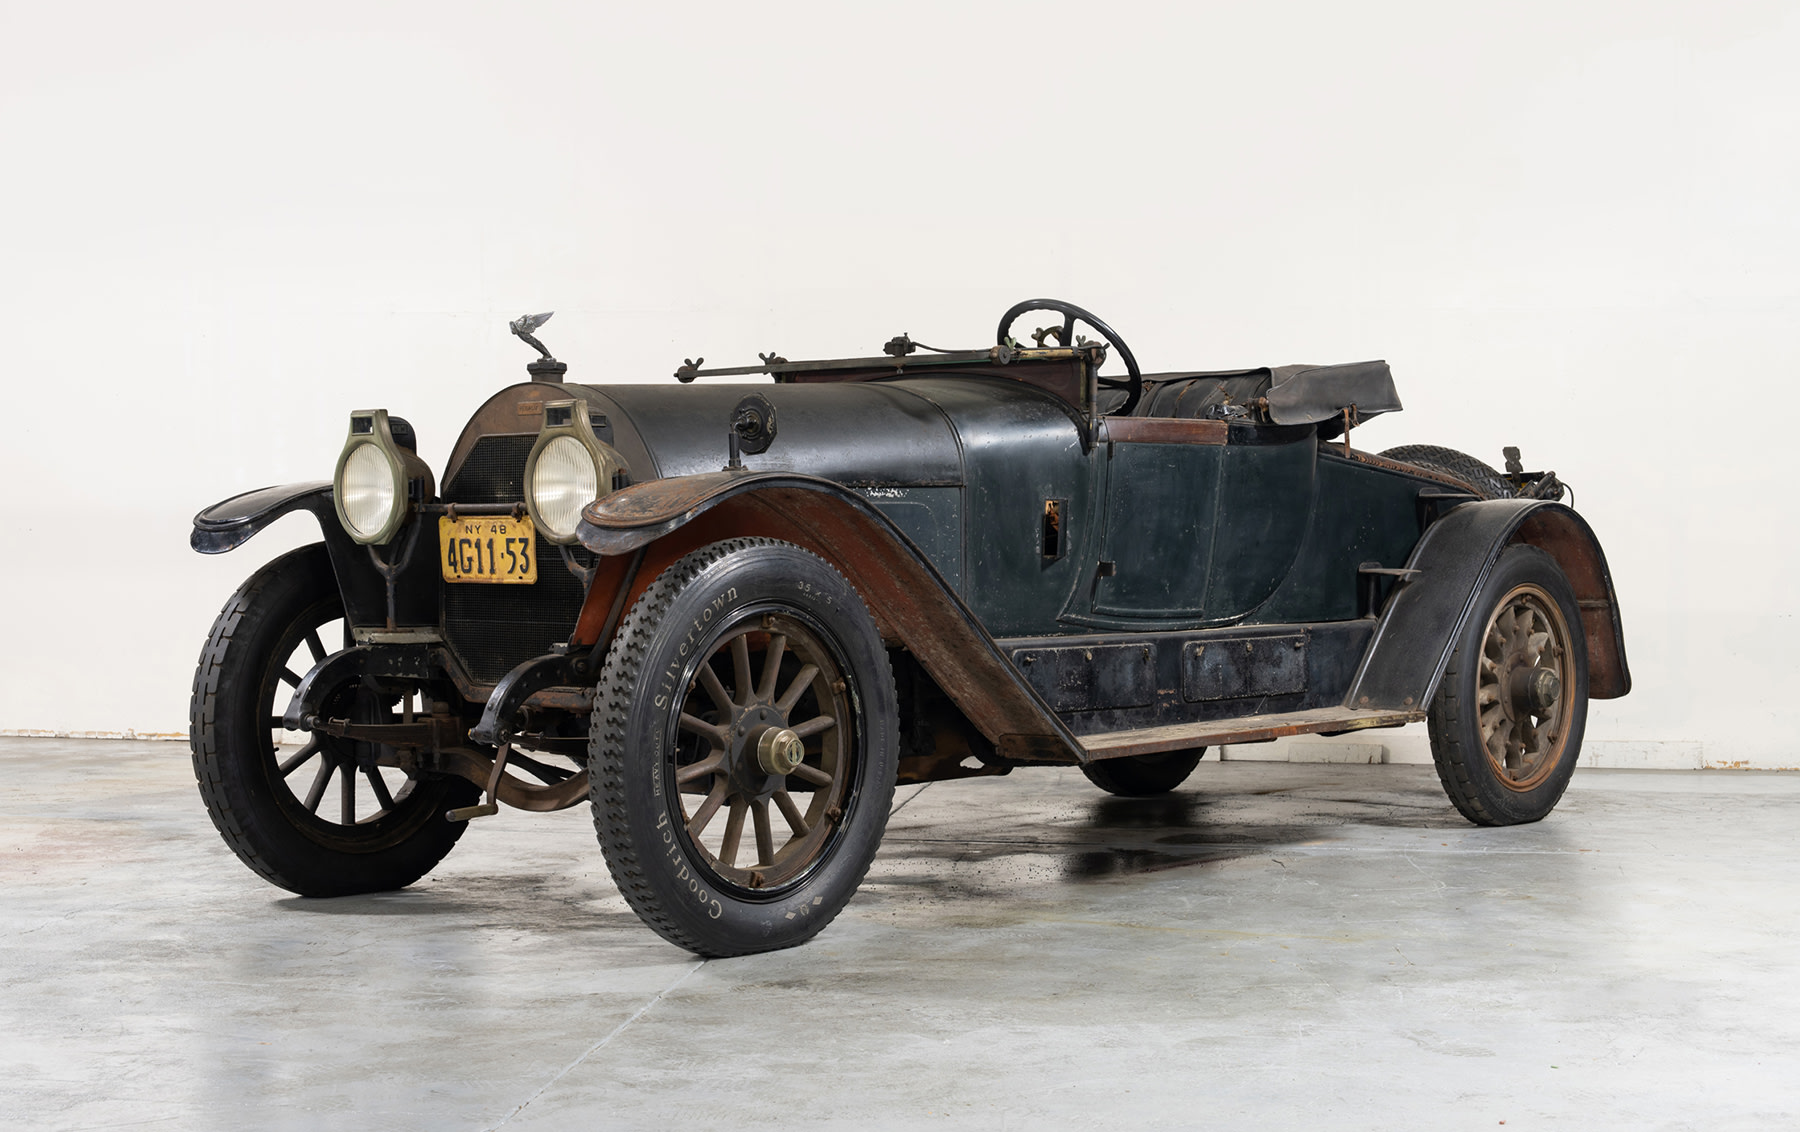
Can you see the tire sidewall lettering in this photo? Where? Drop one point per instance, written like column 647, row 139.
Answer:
column 683, row 627
column 716, row 608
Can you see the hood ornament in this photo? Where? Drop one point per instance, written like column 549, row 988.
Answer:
column 545, row 368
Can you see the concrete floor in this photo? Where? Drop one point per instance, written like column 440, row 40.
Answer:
column 1273, row 946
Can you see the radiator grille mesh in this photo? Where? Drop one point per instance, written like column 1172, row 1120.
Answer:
column 494, row 628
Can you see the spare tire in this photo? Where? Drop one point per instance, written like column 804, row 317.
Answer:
column 1488, row 483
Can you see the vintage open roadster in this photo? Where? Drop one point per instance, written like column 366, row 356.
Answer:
column 732, row 616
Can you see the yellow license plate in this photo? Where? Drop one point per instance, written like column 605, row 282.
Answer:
column 490, row 549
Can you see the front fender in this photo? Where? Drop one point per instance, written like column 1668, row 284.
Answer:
column 1426, row 616
column 230, row 524
column 908, row 598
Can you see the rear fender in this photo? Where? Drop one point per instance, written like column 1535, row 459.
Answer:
column 908, row 598
column 1427, row 614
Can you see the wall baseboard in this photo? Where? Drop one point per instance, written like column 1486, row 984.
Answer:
column 41, row 733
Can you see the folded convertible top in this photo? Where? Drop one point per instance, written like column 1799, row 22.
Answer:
column 1305, row 394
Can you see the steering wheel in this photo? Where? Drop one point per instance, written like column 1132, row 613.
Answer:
column 1072, row 314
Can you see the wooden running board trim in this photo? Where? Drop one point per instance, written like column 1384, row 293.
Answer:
column 1244, row 729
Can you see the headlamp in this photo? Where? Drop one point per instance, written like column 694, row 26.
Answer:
column 370, row 486
column 569, row 468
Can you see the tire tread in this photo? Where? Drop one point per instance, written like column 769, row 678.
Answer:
column 610, row 721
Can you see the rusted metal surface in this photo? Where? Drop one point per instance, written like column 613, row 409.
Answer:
column 1565, row 536
column 455, row 510
column 653, row 504
column 438, row 741
column 515, row 792
column 1433, row 474
column 1246, row 729
column 951, row 758
column 622, row 591
column 614, row 586
column 908, row 599
column 1067, row 380
column 1162, row 430
column 517, row 410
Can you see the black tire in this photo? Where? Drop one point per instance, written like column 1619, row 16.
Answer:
column 1487, row 482
column 1141, row 776
column 667, row 734
column 267, row 636
column 1488, row 781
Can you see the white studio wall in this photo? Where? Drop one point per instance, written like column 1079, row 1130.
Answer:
column 1570, row 227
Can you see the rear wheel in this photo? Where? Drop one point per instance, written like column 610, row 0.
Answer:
column 743, row 748
column 1507, row 721
column 313, row 814
column 1140, row 776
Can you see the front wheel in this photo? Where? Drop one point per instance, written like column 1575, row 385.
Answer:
column 743, row 748
column 1507, row 721
column 315, row 815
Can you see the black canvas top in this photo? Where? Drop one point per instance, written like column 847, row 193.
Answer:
column 1305, row 394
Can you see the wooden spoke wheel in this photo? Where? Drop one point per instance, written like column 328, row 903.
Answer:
column 772, row 715
column 743, row 748
column 1522, row 688
column 1507, row 720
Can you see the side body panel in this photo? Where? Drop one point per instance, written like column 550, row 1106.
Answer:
column 931, row 518
column 1202, row 533
column 1266, row 505
column 1161, row 506
column 1360, row 514
column 1020, row 448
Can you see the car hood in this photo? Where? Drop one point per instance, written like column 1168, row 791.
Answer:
column 862, row 434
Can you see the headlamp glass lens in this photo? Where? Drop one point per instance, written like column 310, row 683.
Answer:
column 367, row 493
column 563, row 482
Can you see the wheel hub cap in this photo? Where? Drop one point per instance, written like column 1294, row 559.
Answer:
column 779, row 751
column 1535, row 691
column 754, row 728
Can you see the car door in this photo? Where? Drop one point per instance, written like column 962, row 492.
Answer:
column 1162, row 490
column 1203, row 521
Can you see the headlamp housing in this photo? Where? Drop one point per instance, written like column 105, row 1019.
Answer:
column 569, row 467
column 372, row 485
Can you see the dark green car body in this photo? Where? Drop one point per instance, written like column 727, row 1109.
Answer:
column 1047, row 566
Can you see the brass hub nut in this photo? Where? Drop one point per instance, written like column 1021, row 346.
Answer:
column 779, row 751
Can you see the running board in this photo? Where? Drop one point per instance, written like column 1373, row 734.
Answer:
column 1243, row 729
